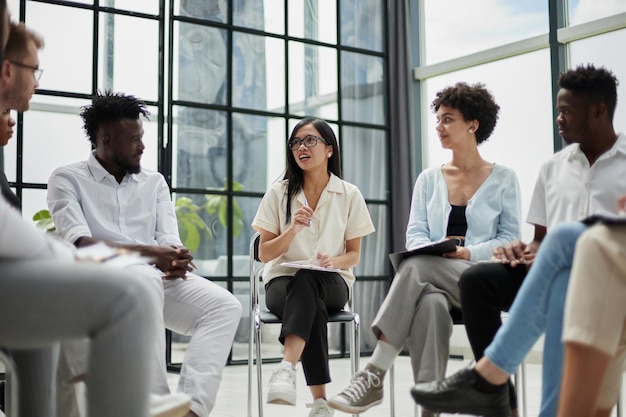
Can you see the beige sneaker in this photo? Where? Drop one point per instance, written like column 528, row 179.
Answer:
column 364, row 392
column 320, row 408
column 282, row 388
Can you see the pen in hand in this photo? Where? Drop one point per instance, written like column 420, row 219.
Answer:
column 306, row 204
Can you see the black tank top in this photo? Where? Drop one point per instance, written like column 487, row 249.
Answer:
column 457, row 223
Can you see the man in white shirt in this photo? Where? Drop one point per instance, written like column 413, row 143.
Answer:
column 109, row 197
column 46, row 297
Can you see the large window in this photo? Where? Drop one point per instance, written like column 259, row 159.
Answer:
column 225, row 82
column 506, row 45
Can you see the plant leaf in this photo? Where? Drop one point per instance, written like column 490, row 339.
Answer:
column 213, row 203
column 222, row 214
column 191, row 235
column 42, row 214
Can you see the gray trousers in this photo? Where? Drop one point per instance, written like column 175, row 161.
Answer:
column 416, row 310
column 44, row 302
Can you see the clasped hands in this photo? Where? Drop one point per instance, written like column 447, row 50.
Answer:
column 174, row 261
column 515, row 253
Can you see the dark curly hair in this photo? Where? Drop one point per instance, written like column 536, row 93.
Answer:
column 294, row 174
column 474, row 102
column 109, row 107
column 599, row 84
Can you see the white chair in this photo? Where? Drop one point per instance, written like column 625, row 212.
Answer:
column 260, row 315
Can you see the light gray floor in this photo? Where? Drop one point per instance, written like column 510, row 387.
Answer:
column 232, row 399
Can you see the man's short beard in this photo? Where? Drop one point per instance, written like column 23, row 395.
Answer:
column 129, row 169
column 132, row 169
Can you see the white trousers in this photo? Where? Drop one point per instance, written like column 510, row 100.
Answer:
column 196, row 307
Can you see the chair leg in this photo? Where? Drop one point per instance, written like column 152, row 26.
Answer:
column 523, row 376
column 11, row 403
column 251, row 344
column 355, row 344
column 519, row 379
column 392, row 399
column 259, row 365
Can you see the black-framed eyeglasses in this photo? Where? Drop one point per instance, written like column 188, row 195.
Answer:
column 309, row 141
column 37, row 72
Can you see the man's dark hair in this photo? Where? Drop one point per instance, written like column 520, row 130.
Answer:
column 110, row 107
column 598, row 84
column 474, row 102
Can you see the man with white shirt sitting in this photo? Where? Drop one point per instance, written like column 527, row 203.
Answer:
column 110, row 198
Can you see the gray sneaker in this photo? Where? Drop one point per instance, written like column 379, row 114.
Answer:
column 282, row 388
column 364, row 392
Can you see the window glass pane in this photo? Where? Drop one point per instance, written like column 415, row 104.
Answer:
column 313, row 19
column 522, row 139
column 42, row 145
column 241, row 290
column 364, row 154
column 129, row 67
column 259, row 147
column 200, row 148
column 241, row 242
column 453, row 28
column 200, row 63
column 258, row 72
column 375, row 244
column 148, row 7
column 14, row 9
column 64, row 68
column 581, row 11
column 213, row 10
column 266, row 15
column 150, row 157
column 362, row 88
column 362, row 24
column 210, row 246
column 593, row 50
column 312, row 80
column 33, row 201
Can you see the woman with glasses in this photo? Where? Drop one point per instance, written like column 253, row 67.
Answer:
column 312, row 215
column 468, row 199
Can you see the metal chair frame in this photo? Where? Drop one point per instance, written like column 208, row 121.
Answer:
column 260, row 315
column 11, row 403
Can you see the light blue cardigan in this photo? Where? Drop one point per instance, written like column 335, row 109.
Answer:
column 493, row 212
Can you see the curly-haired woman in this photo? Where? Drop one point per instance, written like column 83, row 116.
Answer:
column 467, row 198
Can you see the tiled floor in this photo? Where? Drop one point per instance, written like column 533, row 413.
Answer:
column 232, row 398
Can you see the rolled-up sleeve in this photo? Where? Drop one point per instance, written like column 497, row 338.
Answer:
column 63, row 203
column 166, row 224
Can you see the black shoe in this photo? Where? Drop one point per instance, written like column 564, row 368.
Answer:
column 456, row 394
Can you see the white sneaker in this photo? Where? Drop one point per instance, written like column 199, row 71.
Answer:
column 320, row 408
column 282, row 388
column 172, row 405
